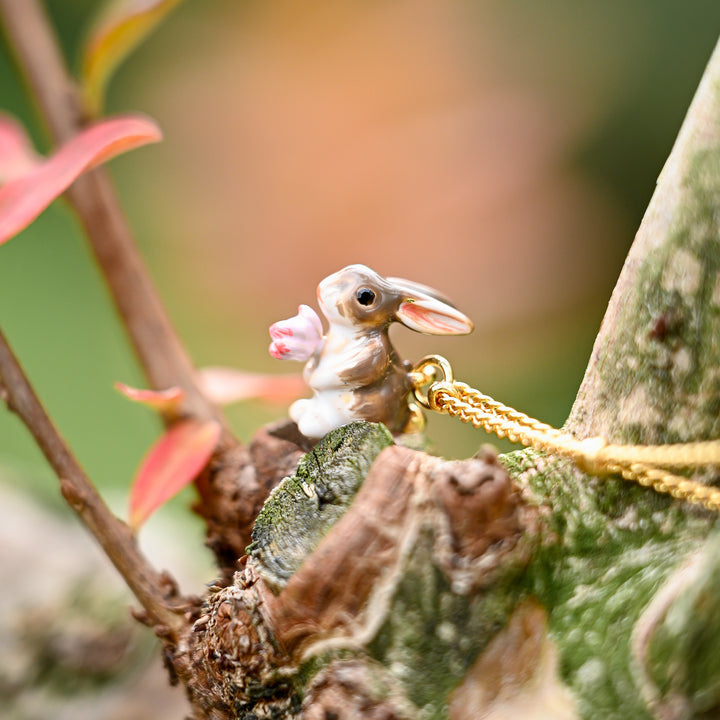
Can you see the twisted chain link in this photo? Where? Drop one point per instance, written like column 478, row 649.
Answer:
column 644, row 464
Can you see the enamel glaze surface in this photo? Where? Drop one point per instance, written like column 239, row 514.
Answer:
column 354, row 371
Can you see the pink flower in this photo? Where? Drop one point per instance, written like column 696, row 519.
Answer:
column 298, row 337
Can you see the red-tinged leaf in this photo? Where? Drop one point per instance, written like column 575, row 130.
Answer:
column 25, row 197
column 120, row 27
column 17, row 155
column 225, row 385
column 171, row 464
column 161, row 400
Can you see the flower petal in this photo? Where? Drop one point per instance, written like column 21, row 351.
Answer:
column 25, row 197
column 226, row 385
column 17, row 155
column 120, row 27
column 309, row 315
column 296, row 338
column 160, row 400
column 171, row 464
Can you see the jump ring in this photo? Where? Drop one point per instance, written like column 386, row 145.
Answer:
column 431, row 370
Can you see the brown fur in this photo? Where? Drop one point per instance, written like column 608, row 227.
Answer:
column 385, row 399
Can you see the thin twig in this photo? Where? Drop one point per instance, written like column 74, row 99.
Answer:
column 93, row 197
column 155, row 342
column 113, row 535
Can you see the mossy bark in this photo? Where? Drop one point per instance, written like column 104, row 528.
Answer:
column 385, row 583
column 654, row 377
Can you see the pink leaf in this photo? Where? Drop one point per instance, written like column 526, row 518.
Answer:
column 161, row 400
column 171, row 464
column 225, row 385
column 24, row 198
column 17, row 155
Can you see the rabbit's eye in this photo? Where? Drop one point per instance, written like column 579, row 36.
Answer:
column 365, row 296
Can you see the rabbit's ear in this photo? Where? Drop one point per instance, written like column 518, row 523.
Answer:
column 427, row 315
column 416, row 288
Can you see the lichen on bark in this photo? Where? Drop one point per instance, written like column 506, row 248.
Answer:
column 305, row 505
column 654, row 374
column 397, row 582
column 676, row 644
column 615, row 548
column 654, row 377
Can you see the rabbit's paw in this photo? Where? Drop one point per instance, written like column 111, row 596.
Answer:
column 317, row 416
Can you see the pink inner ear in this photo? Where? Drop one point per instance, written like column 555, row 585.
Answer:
column 423, row 319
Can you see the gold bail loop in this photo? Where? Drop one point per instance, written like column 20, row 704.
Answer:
column 430, row 371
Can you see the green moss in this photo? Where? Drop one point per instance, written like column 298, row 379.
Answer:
column 667, row 348
column 311, row 667
column 432, row 635
column 683, row 658
column 596, row 570
column 302, row 509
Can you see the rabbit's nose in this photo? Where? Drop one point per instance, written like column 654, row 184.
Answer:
column 319, row 296
column 320, row 302
column 327, row 288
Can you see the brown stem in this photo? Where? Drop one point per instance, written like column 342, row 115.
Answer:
column 94, row 199
column 114, row 536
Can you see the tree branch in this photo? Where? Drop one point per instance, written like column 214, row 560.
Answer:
column 650, row 376
column 93, row 197
column 114, row 536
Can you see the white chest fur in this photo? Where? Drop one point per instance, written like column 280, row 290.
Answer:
column 332, row 385
column 342, row 349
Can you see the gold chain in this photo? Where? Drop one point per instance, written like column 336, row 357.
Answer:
column 643, row 464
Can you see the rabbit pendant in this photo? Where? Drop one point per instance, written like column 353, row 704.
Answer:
column 353, row 370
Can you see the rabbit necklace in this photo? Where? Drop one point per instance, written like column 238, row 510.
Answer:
column 356, row 374
column 354, row 371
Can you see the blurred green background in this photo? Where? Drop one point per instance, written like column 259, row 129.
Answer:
column 503, row 152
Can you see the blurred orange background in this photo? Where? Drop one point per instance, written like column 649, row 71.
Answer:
column 501, row 152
